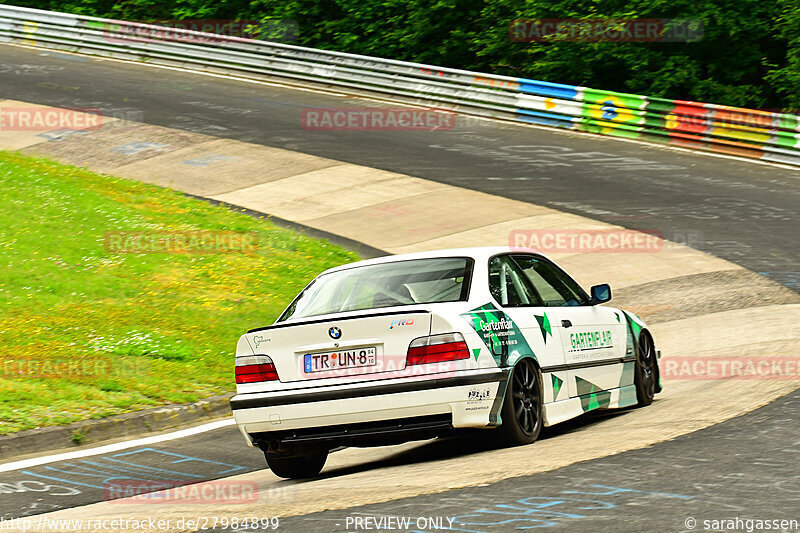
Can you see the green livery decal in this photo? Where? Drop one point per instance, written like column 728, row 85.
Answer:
column 592, row 396
column 590, row 340
column 557, row 382
column 544, row 326
column 634, row 328
column 636, row 324
column 627, row 374
column 495, row 419
column 499, row 333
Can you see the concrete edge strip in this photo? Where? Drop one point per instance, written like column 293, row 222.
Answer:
column 364, row 250
column 79, row 434
column 116, row 446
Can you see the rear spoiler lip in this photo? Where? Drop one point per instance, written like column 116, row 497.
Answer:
column 322, row 320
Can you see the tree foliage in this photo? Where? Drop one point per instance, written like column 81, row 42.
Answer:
column 749, row 55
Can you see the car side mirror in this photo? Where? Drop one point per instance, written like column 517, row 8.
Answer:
column 600, row 294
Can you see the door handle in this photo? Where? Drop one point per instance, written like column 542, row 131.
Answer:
column 566, row 323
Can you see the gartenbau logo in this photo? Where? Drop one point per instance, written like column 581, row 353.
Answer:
column 498, row 332
column 590, row 340
column 502, row 325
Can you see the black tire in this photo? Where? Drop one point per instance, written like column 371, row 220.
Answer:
column 646, row 372
column 297, row 466
column 522, row 406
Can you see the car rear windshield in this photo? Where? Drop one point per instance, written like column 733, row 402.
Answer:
column 416, row 281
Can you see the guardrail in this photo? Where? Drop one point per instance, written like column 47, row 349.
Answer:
column 743, row 132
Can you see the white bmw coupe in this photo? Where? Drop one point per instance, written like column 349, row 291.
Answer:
column 416, row 346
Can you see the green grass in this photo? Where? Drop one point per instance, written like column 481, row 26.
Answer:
column 139, row 330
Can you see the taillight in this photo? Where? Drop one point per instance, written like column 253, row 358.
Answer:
column 436, row 349
column 255, row 368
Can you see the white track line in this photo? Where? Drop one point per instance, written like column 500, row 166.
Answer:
column 36, row 461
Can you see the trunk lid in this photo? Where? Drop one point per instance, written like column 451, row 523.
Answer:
column 340, row 346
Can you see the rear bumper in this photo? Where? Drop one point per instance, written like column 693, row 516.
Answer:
column 378, row 433
column 469, row 398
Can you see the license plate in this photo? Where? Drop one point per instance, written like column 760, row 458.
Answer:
column 359, row 357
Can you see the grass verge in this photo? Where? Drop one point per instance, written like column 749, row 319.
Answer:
column 86, row 332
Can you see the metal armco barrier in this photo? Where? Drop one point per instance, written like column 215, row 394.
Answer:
column 743, row 132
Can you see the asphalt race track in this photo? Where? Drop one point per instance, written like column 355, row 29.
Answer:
column 48, row 487
column 658, row 488
column 738, row 210
column 741, row 211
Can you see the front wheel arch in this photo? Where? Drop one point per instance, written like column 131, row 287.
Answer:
column 647, row 376
column 646, row 331
column 657, row 367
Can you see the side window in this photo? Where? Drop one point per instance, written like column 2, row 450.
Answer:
column 509, row 285
column 554, row 286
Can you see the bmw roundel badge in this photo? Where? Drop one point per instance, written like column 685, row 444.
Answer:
column 335, row 333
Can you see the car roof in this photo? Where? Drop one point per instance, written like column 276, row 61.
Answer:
column 478, row 253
